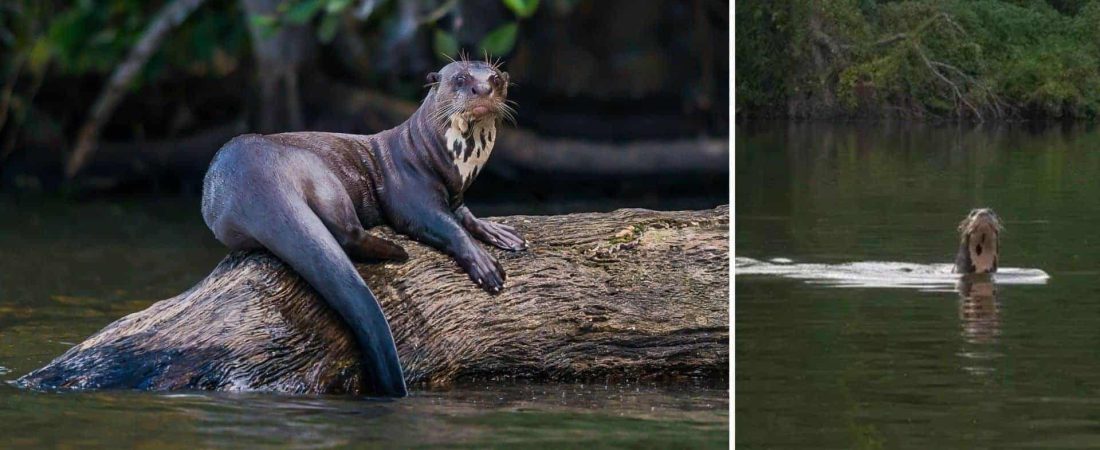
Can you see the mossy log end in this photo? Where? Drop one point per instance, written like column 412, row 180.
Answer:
column 626, row 295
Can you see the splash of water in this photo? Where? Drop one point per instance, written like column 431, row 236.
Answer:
column 879, row 274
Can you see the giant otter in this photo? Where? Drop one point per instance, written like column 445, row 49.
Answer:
column 978, row 242
column 309, row 197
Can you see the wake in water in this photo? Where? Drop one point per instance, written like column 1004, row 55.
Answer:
column 879, row 274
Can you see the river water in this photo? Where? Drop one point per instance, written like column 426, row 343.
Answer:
column 850, row 365
column 69, row 268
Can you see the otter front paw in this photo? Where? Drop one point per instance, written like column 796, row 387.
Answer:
column 484, row 270
column 499, row 235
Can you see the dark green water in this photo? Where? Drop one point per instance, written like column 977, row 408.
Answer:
column 67, row 270
column 829, row 367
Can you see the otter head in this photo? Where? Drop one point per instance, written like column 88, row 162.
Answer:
column 473, row 91
column 978, row 242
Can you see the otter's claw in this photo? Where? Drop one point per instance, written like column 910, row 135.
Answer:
column 484, row 270
column 499, row 235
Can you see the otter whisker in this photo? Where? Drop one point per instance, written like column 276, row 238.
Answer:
column 441, row 115
column 447, row 115
column 435, row 115
column 444, row 112
column 508, row 113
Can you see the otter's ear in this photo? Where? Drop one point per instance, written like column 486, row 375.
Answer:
column 506, row 78
column 433, row 77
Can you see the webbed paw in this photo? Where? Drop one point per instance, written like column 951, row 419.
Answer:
column 499, row 235
column 484, row 270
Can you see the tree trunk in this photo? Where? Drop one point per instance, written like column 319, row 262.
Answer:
column 627, row 295
column 280, row 56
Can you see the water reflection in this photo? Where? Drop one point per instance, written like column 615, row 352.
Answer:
column 494, row 414
column 979, row 310
column 980, row 319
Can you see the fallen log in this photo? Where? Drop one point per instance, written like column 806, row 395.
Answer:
column 620, row 296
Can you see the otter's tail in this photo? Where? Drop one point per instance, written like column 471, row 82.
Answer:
column 298, row 237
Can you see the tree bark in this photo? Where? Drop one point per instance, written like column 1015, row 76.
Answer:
column 627, row 295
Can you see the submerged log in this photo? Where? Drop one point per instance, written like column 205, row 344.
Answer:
column 621, row 296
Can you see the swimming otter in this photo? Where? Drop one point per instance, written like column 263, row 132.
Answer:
column 309, row 197
column 978, row 243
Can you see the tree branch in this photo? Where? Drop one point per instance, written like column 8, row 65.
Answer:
column 167, row 19
column 954, row 87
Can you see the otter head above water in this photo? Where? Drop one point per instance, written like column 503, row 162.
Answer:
column 466, row 101
column 978, row 242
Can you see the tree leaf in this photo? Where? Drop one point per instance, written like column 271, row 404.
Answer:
column 522, row 8
column 329, row 25
column 335, row 6
column 500, row 41
column 40, row 54
column 267, row 24
column 264, row 21
column 366, row 8
column 303, row 11
column 444, row 44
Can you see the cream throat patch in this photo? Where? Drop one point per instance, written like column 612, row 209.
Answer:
column 470, row 144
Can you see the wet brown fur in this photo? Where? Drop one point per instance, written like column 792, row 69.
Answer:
column 979, row 243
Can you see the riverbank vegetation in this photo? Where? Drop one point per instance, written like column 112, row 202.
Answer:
column 128, row 94
column 973, row 60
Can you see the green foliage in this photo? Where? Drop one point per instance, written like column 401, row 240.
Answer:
column 922, row 58
column 93, row 37
column 268, row 24
column 330, row 24
column 301, row 12
column 764, row 38
column 88, row 37
column 500, row 41
column 445, row 44
column 522, row 8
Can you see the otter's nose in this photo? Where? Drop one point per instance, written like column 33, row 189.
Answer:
column 482, row 89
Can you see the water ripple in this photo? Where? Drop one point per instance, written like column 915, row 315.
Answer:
column 879, row 274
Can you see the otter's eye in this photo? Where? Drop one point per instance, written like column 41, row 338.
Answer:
column 495, row 79
column 460, row 79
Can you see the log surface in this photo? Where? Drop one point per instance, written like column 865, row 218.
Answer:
column 620, row 296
